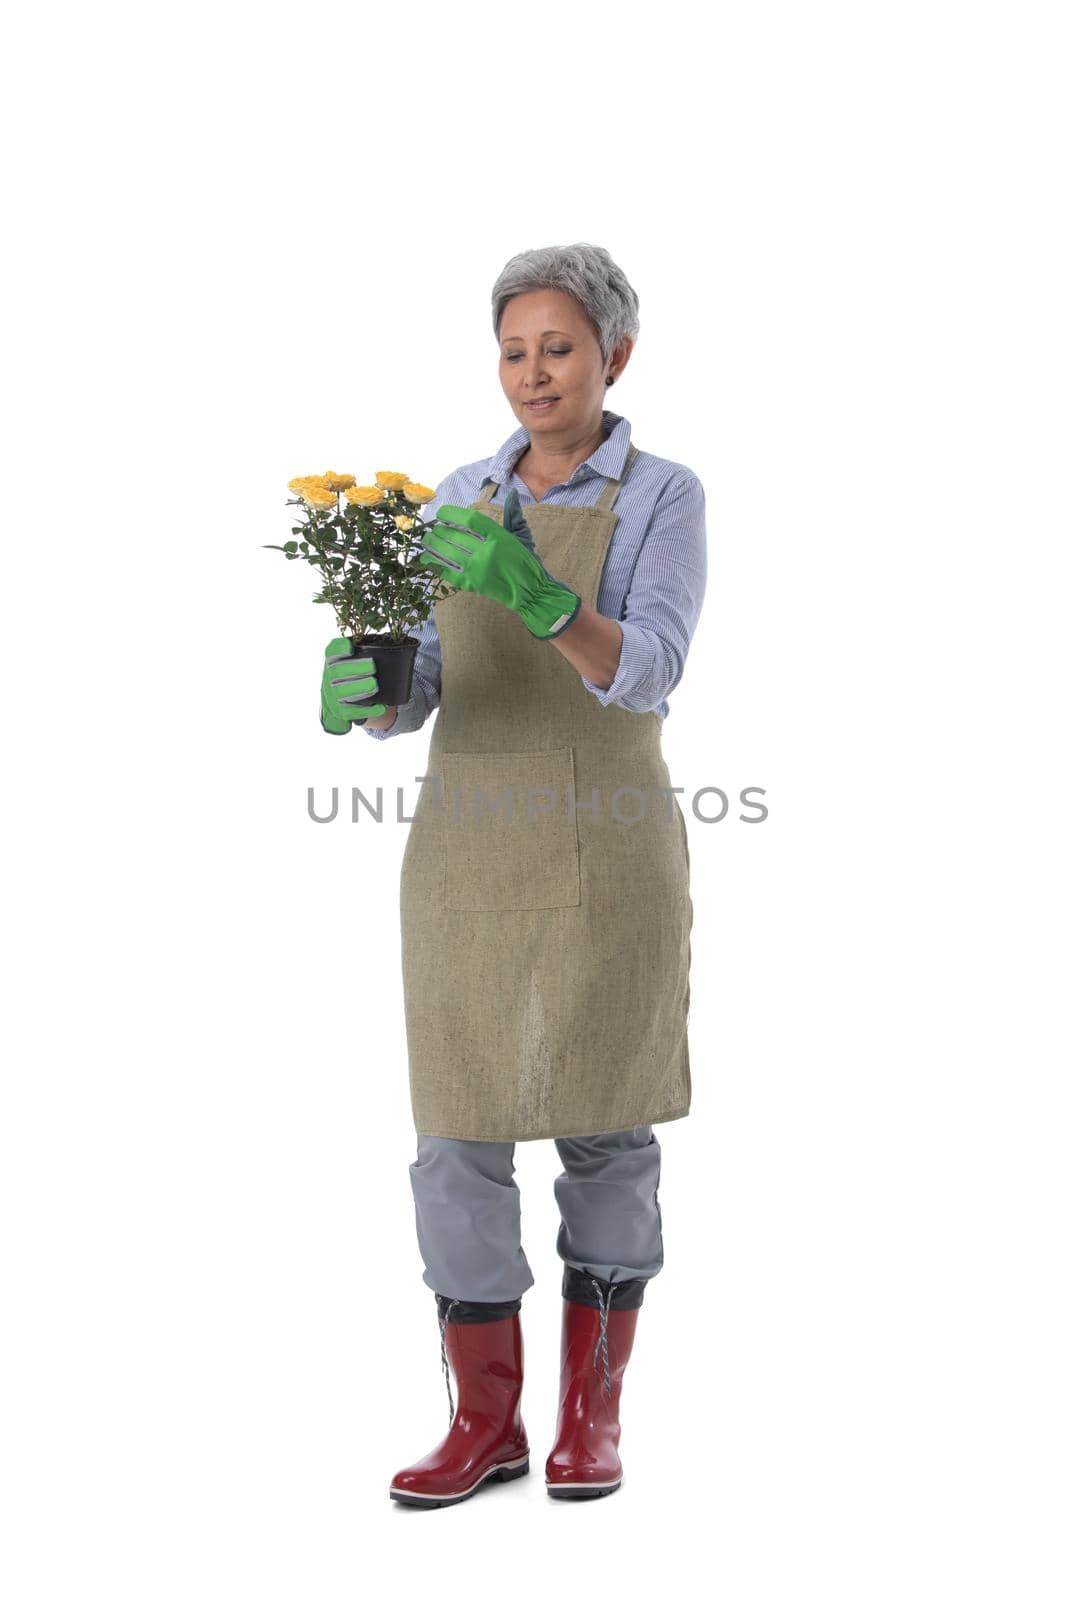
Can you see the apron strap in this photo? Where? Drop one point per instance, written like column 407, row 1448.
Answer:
column 606, row 501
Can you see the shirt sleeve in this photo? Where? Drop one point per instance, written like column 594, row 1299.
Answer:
column 426, row 674
column 664, row 601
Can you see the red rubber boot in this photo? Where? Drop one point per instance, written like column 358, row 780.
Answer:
column 584, row 1462
column 486, row 1438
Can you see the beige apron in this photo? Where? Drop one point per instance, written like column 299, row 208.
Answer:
column 545, row 953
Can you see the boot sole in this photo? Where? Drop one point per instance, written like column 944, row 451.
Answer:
column 502, row 1474
column 581, row 1491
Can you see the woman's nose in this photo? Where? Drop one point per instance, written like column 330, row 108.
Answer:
column 532, row 374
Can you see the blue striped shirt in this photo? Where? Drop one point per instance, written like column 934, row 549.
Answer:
column 652, row 583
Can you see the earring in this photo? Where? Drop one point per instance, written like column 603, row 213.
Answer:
column 611, row 380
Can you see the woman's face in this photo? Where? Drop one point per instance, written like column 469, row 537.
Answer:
column 548, row 347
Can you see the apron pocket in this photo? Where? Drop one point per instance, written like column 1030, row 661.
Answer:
column 511, row 843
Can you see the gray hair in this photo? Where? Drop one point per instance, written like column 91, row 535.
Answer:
column 584, row 271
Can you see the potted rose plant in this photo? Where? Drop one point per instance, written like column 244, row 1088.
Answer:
column 365, row 544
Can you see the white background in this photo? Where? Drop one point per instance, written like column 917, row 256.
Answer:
column 247, row 243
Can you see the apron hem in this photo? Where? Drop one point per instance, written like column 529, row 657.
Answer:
column 554, row 1133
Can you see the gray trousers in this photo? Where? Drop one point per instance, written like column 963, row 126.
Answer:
column 467, row 1212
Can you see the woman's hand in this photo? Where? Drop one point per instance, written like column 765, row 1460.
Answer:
column 349, row 689
column 477, row 554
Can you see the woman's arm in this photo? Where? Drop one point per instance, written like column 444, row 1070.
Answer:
column 637, row 662
column 592, row 644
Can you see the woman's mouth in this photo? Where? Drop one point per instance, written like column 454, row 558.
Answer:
column 541, row 405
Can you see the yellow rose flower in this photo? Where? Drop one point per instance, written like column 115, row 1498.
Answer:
column 338, row 480
column 418, row 492
column 321, row 499
column 404, row 523
column 371, row 496
column 315, row 480
column 391, row 480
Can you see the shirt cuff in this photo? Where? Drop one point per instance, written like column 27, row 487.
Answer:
column 637, row 657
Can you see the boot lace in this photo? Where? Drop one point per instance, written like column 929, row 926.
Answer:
column 444, row 1357
column 602, row 1341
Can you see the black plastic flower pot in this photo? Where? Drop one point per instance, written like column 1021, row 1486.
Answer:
column 394, row 663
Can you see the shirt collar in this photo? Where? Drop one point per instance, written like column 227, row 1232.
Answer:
column 607, row 460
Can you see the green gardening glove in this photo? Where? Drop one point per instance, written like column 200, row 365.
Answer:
column 479, row 555
column 347, row 685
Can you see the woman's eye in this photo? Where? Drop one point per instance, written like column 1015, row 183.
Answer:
column 518, row 357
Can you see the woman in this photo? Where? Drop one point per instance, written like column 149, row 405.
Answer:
column 545, row 953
